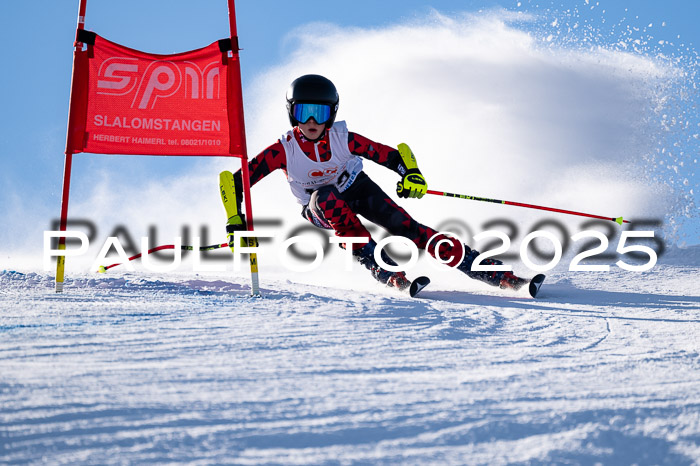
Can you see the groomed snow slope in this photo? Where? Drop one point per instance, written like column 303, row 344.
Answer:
column 136, row 368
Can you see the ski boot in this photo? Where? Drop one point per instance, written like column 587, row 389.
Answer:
column 500, row 278
column 365, row 256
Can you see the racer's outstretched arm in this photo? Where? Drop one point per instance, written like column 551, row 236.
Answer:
column 400, row 160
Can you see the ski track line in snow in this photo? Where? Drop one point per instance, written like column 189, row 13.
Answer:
column 130, row 369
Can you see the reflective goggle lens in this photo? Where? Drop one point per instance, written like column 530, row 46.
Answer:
column 302, row 112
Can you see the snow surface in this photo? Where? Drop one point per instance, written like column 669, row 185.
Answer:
column 140, row 367
column 329, row 367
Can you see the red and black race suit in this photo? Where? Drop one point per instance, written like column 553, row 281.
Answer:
column 339, row 210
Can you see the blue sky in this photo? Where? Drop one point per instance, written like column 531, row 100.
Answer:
column 38, row 39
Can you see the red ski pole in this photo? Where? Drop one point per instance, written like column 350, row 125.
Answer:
column 104, row 268
column 618, row 220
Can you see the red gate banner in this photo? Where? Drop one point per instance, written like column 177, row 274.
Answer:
column 130, row 102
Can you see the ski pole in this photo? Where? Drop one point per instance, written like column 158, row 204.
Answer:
column 104, row 268
column 618, row 220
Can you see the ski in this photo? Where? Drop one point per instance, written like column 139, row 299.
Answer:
column 417, row 286
column 399, row 281
column 535, row 284
column 515, row 283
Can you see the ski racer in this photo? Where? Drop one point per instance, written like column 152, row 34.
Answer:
column 323, row 164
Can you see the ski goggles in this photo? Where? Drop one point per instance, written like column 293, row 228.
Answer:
column 303, row 112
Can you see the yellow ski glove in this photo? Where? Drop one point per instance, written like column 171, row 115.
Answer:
column 234, row 224
column 413, row 183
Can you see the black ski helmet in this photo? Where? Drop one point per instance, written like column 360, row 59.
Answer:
column 312, row 89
